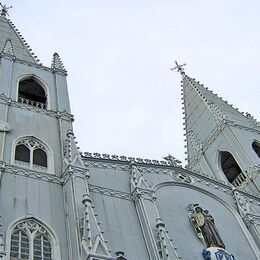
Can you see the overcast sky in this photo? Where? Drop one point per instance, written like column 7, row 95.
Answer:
column 124, row 97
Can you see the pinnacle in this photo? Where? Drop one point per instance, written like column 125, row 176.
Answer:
column 57, row 64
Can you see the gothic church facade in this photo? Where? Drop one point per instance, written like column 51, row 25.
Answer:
column 57, row 203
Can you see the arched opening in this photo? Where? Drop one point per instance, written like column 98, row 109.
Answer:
column 31, row 93
column 32, row 153
column 231, row 169
column 39, row 157
column 22, row 153
column 256, row 147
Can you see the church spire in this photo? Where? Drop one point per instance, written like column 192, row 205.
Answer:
column 216, row 133
column 9, row 33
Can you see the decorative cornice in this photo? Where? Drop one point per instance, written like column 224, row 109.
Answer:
column 105, row 165
column 177, row 174
column 110, row 192
column 64, row 115
column 33, row 174
column 87, row 155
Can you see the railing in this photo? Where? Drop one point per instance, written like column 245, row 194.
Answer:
column 240, row 179
column 21, row 163
column 31, row 102
column 32, row 167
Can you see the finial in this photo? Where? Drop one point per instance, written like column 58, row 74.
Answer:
column 4, row 10
column 178, row 67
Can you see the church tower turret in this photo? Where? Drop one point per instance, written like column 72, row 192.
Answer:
column 34, row 121
column 222, row 142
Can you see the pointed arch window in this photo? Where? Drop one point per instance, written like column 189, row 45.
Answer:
column 256, row 147
column 231, row 169
column 29, row 152
column 30, row 92
column 30, row 241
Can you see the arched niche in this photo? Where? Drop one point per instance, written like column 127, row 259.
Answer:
column 31, row 91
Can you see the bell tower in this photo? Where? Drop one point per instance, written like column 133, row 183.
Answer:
column 35, row 98
column 34, row 121
column 222, row 142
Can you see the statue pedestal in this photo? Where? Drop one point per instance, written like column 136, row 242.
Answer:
column 217, row 253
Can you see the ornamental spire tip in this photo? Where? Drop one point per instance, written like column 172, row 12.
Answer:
column 4, row 9
column 179, row 67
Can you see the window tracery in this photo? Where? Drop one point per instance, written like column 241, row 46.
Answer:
column 30, row 241
column 31, row 153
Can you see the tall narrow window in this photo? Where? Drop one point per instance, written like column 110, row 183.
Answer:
column 30, row 153
column 42, row 248
column 30, row 240
column 19, row 245
column 39, row 157
column 32, row 93
column 231, row 169
column 256, row 147
column 22, row 153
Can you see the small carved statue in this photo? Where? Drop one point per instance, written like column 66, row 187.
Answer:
column 204, row 226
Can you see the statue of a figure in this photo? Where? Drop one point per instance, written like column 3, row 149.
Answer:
column 204, row 226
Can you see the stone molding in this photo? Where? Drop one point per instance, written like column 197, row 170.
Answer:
column 73, row 170
column 110, row 192
column 252, row 220
column 144, row 194
column 196, row 157
column 64, row 115
column 33, row 174
column 176, row 173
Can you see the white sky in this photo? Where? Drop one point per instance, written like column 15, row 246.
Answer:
column 118, row 53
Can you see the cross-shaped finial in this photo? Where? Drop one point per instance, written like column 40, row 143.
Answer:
column 4, row 10
column 178, row 67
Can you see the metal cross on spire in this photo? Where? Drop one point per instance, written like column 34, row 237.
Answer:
column 179, row 67
column 4, row 9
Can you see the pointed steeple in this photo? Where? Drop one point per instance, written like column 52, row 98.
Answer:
column 205, row 113
column 9, row 35
column 219, row 137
